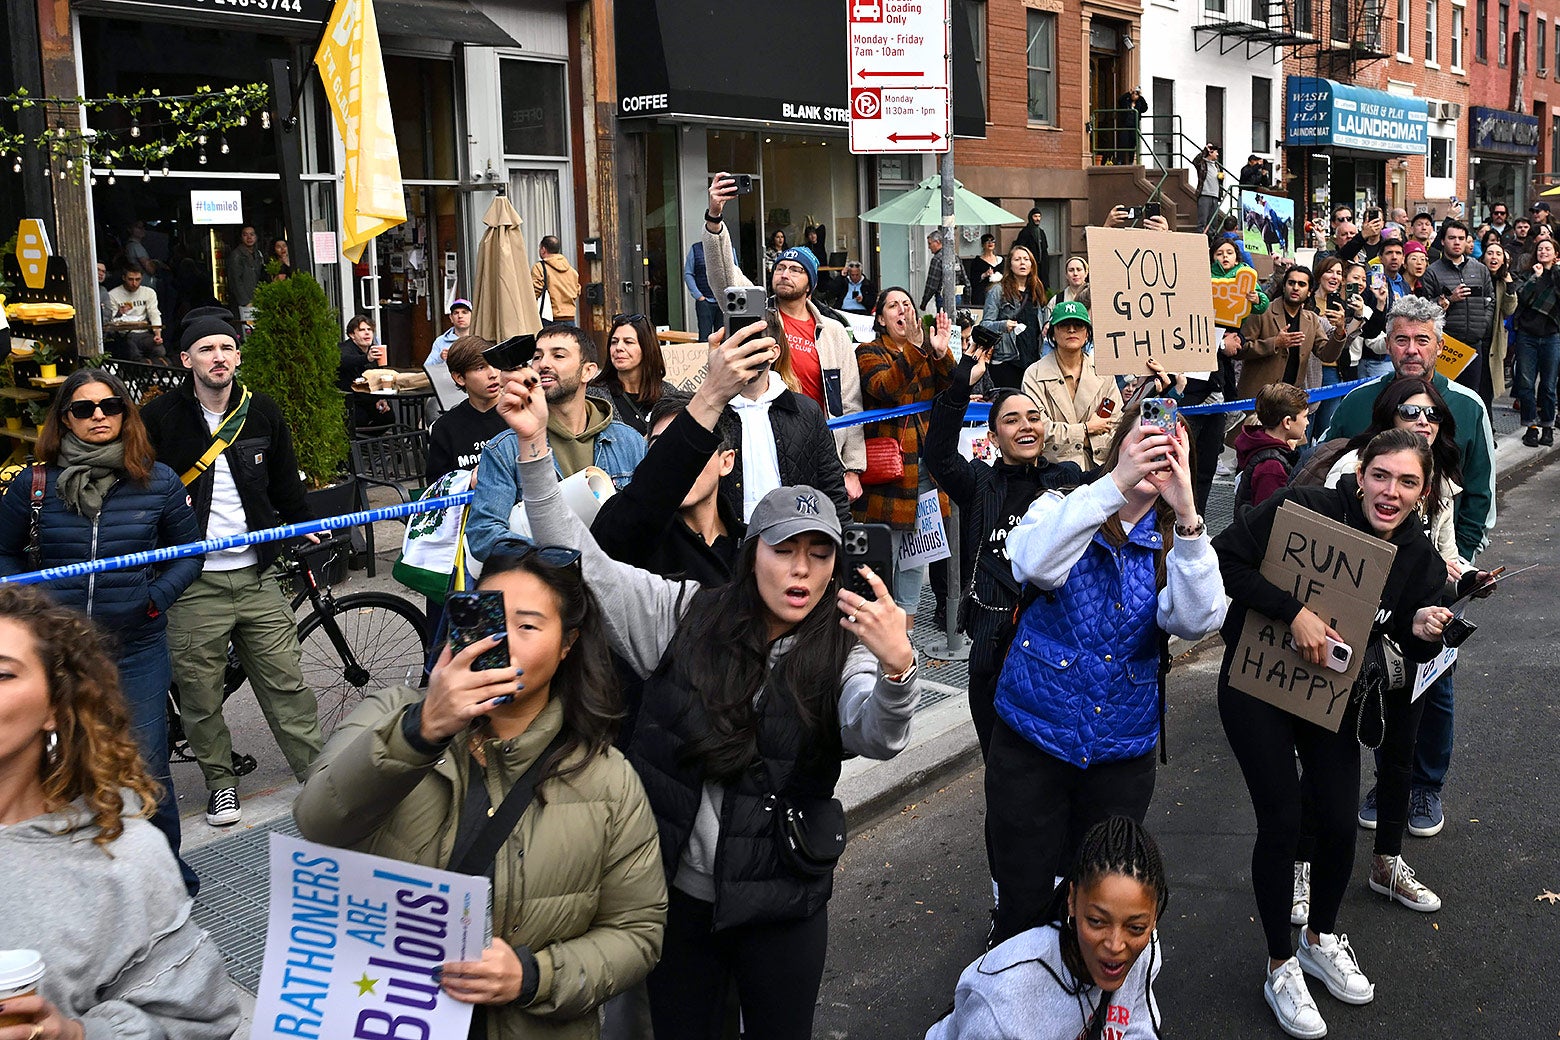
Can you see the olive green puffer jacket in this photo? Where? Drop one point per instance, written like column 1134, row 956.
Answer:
column 587, row 897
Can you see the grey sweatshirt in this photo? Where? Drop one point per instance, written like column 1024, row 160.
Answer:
column 121, row 951
column 642, row 612
column 1021, row 990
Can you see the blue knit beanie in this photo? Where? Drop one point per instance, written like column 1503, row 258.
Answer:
column 806, row 259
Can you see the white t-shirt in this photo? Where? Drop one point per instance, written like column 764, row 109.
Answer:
column 760, row 460
column 227, row 511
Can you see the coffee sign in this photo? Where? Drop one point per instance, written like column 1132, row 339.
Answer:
column 1152, row 300
column 1338, row 573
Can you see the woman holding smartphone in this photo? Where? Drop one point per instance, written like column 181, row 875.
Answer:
column 1381, row 498
column 1121, row 565
column 753, row 693
column 579, row 902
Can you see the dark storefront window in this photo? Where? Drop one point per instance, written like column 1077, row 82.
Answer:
column 535, row 119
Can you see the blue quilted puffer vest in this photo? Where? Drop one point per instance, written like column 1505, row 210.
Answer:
column 1081, row 680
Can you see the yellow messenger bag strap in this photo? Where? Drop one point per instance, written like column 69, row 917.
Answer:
column 231, row 424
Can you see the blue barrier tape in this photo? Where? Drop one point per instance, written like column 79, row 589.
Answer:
column 1320, row 393
column 211, row 545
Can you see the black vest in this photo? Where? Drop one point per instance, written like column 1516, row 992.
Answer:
column 752, row 886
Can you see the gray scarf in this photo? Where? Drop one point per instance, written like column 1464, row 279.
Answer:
column 87, row 472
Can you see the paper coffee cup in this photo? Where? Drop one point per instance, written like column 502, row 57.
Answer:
column 585, row 490
column 20, row 973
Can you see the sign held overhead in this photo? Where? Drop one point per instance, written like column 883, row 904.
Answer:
column 898, row 75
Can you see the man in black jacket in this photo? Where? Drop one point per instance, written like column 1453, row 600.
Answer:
column 1465, row 291
column 235, row 454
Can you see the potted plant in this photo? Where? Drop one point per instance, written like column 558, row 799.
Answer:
column 13, row 418
column 48, row 361
column 38, row 414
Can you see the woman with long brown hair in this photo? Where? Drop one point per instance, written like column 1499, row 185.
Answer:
column 96, row 492
column 1015, row 311
column 636, row 373
column 92, row 890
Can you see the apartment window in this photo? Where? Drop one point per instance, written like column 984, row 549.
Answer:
column 977, row 11
column 1303, row 21
column 1215, row 116
column 1261, row 113
column 1439, row 163
column 1370, row 31
column 1216, row 6
column 1340, row 21
column 1432, row 20
column 1041, row 62
column 1458, row 14
column 1541, row 47
column 1522, row 36
column 1481, row 31
column 1502, row 32
column 1402, row 29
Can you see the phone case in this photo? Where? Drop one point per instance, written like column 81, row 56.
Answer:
column 473, row 617
column 1160, row 412
column 870, row 544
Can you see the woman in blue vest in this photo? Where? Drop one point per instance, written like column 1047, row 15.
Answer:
column 1120, row 565
column 753, row 693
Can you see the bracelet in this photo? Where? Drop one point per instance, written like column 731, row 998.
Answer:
column 906, row 675
column 1194, row 531
column 712, row 220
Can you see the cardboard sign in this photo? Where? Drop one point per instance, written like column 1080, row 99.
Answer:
column 1454, row 357
column 1152, row 298
column 353, row 942
column 1339, row 574
column 1232, row 296
column 928, row 543
column 685, row 364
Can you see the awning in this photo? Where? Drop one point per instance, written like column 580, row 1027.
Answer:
column 1321, row 113
column 780, row 63
column 452, row 20
column 1505, row 133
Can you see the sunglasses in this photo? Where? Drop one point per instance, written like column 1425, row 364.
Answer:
column 110, row 406
column 624, row 319
column 1412, row 412
column 552, row 555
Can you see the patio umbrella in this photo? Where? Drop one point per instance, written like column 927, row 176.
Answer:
column 503, row 301
column 922, row 206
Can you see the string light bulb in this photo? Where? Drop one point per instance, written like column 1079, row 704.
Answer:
column 225, row 149
column 146, row 175
column 111, row 180
column 135, row 127
column 265, row 120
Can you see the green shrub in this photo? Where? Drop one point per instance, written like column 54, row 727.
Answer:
column 292, row 356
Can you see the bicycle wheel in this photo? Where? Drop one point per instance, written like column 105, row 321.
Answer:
column 386, row 634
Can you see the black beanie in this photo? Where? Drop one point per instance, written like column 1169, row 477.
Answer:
column 206, row 321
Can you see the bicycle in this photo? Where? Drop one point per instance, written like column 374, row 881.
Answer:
column 360, row 642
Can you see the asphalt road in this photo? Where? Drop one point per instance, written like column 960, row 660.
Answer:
column 912, row 893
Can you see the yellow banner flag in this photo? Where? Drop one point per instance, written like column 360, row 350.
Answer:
column 353, row 71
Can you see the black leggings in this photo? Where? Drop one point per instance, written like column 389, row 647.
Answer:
column 1265, row 740
column 777, row 969
column 1038, row 808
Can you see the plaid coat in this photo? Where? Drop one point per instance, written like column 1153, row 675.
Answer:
column 890, row 378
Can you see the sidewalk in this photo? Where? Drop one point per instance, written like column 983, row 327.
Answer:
column 231, row 861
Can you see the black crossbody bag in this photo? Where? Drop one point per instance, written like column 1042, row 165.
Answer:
column 809, row 832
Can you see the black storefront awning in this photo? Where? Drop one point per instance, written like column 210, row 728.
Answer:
column 455, row 21
column 452, row 20
column 781, row 63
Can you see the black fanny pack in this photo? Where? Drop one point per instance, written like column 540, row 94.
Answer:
column 809, row 833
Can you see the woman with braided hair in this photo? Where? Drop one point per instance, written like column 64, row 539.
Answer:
column 1084, row 967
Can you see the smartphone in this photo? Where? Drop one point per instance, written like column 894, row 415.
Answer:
column 1161, row 412
column 473, row 618
column 1378, row 277
column 985, row 338
column 743, row 305
column 1373, row 214
column 1107, row 408
column 514, row 353
column 1334, row 301
column 1350, row 291
column 1150, row 209
column 743, row 181
column 1337, row 655
column 870, row 544
column 1134, row 212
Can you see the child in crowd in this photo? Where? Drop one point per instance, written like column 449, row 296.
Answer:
column 456, row 439
column 1266, row 452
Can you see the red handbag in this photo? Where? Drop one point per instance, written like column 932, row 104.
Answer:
column 885, row 461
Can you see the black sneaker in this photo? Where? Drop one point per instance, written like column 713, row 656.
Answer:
column 1531, row 437
column 222, row 808
column 1547, row 438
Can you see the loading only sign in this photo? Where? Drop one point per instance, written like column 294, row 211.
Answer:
column 898, row 76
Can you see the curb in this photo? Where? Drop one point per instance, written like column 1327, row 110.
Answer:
column 942, row 744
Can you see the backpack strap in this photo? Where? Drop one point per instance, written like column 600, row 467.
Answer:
column 35, row 516
column 225, row 435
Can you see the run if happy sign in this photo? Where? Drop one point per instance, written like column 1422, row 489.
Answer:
column 1151, row 298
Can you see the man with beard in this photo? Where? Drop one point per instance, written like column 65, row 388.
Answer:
column 581, row 432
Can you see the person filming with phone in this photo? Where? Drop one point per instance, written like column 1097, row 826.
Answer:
column 754, row 691
column 1120, row 565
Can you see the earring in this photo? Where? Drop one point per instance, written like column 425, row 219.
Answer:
column 51, row 749
column 1359, row 492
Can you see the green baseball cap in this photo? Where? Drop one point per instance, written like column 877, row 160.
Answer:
column 1070, row 310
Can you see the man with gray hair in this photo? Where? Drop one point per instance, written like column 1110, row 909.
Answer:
column 1414, row 329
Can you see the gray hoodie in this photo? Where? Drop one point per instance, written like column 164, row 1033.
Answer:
column 121, row 951
column 1021, row 990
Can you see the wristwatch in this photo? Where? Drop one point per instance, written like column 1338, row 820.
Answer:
column 1194, row 531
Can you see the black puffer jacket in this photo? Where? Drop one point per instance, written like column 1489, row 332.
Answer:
column 130, row 602
column 1471, row 318
column 805, row 448
column 979, row 491
column 260, row 457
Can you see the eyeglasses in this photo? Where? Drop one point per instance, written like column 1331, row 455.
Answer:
column 110, row 406
column 626, row 319
column 1412, row 412
column 552, row 555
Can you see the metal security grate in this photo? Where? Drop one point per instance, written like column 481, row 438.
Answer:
column 232, row 901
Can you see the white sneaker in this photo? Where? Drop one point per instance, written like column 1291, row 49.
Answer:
column 1395, row 879
column 1300, row 905
column 1286, row 993
column 1332, row 960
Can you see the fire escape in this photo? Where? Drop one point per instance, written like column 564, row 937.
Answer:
column 1335, row 38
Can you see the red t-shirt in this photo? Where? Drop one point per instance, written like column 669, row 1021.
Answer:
column 802, row 336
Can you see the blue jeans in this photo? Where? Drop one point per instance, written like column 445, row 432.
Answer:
column 1324, row 411
column 144, row 675
column 708, row 312
column 1373, row 367
column 1538, row 368
column 1433, row 750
